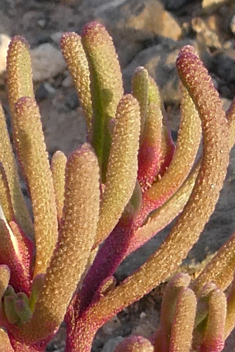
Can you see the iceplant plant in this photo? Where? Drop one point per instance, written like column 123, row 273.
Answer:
column 126, row 183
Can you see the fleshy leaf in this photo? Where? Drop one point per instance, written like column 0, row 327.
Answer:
column 5, row 345
column 231, row 121
column 213, row 339
column 188, row 140
column 122, row 166
column 156, row 147
column 9, row 310
column 140, row 85
column 16, row 254
column 58, row 163
column 149, row 156
column 33, row 157
column 161, row 217
column 220, row 269
column 76, row 237
column 230, row 317
column 12, row 199
column 135, row 344
column 172, row 291
column 200, row 205
column 167, row 144
column 4, row 279
column 106, row 87
column 77, row 63
column 5, row 196
column 183, row 323
column 19, row 71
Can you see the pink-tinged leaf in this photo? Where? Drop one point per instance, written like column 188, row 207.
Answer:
column 213, row 339
column 161, row 217
column 188, row 140
column 170, row 297
column 197, row 211
column 76, row 237
column 156, row 147
column 203, row 304
column 16, row 253
column 106, row 87
column 183, row 322
column 122, row 166
column 21, row 347
column 167, row 144
column 111, row 253
column 105, row 263
column 135, row 344
column 149, row 157
column 230, row 317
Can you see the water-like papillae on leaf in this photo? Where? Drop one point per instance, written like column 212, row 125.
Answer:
column 58, row 164
column 106, row 87
column 77, row 63
column 122, row 166
column 76, row 237
column 34, row 161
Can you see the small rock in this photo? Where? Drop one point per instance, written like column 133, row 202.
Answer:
column 204, row 34
column 225, row 65
column 68, row 81
column 232, row 25
column 4, row 42
column 134, row 22
column 172, row 5
column 211, row 5
column 159, row 60
column 56, row 37
column 47, row 62
column 111, row 344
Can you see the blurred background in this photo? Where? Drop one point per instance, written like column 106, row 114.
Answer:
column 145, row 33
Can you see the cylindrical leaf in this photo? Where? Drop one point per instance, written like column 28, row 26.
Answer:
column 5, row 345
column 76, row 237
column 122, row 166
column 58, row 163
column 183, row 322
column 12, row 199
column 106, row 86
column 77, row 63
column 4, row 278
column 213, row 339
column 33, row 157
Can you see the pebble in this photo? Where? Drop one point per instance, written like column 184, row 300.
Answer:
column 47, row 62
column 159, row 60
column 211, row 5
column 172, row 5
column 111, row 344
column 4, row 42
column 232, row 25
column 225, row 65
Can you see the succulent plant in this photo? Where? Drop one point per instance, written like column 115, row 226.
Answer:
column 120, row 188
